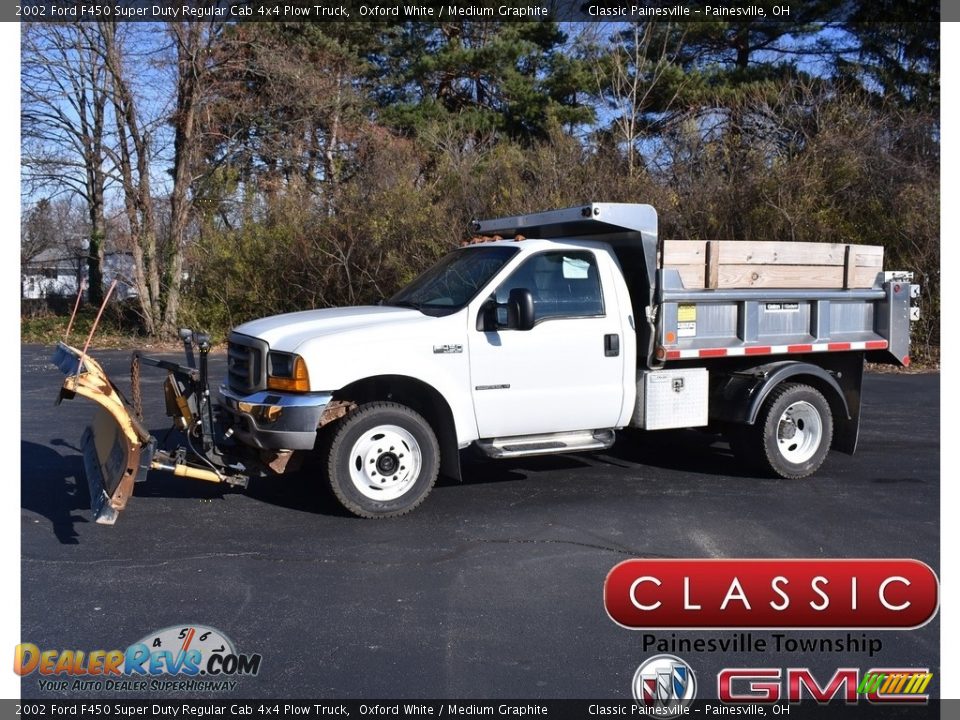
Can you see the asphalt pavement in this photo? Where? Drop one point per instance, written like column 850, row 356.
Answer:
column 491, row 589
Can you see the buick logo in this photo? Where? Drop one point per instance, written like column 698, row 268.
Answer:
column 664, row 680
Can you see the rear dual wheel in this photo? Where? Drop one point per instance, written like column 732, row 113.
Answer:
column 792, row 434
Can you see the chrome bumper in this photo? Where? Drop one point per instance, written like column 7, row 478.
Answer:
column 274, row 420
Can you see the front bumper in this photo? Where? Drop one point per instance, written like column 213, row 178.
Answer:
column 273, row 420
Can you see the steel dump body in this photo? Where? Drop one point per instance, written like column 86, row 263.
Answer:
column 701, row 320
column 728, row 323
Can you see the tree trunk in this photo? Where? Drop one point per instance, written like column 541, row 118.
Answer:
column 188, row 39
column 330, row 169
column 94, row 197
column 137, row 193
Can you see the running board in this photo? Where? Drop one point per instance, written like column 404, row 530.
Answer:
column 523, row 445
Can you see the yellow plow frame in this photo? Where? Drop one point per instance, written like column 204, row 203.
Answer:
column 117, row 450
column 114, row 444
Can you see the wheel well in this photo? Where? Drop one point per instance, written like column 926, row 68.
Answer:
column 416, row 395
column 844, row 402
column 834, row 399
column 737, row 396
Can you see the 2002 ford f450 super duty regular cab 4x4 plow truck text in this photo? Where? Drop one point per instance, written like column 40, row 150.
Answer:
column 544, row 334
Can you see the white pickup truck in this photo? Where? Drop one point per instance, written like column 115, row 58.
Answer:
column 550, row 344
column 546, row 334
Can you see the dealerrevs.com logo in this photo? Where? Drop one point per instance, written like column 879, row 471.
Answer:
column 664, row 681
column 197, row 656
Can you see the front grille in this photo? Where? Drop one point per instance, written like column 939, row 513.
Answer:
column 246, row 371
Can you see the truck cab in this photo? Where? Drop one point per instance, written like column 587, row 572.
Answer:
column 524, row 346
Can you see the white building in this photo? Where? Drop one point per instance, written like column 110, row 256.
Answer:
column 55, row 272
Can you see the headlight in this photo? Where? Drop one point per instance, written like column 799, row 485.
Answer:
column 286, row 371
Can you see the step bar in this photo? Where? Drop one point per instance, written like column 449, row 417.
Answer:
column 550, row 443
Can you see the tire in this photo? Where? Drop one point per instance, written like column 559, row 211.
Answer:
column 382, row 460
column 792, row 434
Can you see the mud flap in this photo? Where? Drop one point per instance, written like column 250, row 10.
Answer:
column 117, row 450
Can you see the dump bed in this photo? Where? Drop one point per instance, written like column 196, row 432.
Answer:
column 731, row 298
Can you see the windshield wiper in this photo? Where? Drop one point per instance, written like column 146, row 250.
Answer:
column 403, row 303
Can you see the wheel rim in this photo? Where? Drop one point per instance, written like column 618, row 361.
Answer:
column 799, row 432
column 385, row 462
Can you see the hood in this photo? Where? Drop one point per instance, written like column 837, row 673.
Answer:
column 288, row 331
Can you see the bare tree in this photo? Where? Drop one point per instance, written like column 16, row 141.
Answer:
column 158, row 260
column 63, row 120
column 38, row 231
column 631, row 75
column 132, row 158
column 192, row 46
column 58, row 224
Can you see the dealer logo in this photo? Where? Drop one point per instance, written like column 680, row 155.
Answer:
column 664, row 680
column 198, row 657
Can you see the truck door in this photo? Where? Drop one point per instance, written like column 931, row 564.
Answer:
column 566, row 373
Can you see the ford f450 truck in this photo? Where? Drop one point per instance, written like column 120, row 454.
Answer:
column 546, row 333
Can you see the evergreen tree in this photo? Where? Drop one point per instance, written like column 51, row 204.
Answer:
column 898, row 58
column 502, row 77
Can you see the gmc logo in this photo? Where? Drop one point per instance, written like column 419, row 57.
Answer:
column 772, row 685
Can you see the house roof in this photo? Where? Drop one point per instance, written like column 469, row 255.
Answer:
column 53, row 256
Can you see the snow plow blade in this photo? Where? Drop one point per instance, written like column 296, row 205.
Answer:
column 117, row 450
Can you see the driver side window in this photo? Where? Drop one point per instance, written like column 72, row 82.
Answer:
column 564, row 284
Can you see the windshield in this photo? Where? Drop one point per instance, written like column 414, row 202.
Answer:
column 455, row 280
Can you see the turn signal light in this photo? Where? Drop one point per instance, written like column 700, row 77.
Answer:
column 288, row 372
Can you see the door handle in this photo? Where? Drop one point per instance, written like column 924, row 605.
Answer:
column 611, row 345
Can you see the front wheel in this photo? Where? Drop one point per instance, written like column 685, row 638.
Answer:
column 382, row 460
column 792, row 434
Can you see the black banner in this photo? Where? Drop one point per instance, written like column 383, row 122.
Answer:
column 454, row 10
column 580, row 709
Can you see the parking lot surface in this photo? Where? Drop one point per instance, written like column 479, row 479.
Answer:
column 491, row 589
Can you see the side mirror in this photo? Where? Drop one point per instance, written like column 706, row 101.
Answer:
column 516, row 314
column 520, row 310
column 487, row 319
